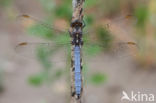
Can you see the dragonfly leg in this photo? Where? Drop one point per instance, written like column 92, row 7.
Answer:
column 81, row 42
column 73, row 69
column 81, row 63
column 73, row 94
column 84, row 24
column 72, row 63
column 78, row 96
column 70, row 33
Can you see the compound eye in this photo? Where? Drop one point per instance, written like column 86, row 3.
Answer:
column 80, row 24
column 76, row 24
column 73, row 25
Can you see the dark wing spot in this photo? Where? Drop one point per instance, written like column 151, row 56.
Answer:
column 25, row 16
column 23, row 43
column 131, row 43
column 128, row 16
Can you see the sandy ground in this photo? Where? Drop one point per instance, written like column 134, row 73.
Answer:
column 123, row 74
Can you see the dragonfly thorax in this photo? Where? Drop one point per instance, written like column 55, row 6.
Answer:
column 77, row 39
column 76, row 32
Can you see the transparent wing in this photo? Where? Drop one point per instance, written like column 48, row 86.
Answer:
column 120, row 50
column 29, row 21
column 34, row 50
column 122, row 22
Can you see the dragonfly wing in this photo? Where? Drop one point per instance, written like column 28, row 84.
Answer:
column 120, row 50
column 109, row 23
column 28, row 21
column 108, row 31
column 42, row 50
column 29, row 50
column 124, row 49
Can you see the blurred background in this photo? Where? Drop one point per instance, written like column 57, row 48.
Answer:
column 119, row 50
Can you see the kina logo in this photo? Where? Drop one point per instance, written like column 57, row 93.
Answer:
column 137, row 97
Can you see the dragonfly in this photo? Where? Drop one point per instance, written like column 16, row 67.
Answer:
column 77, row 41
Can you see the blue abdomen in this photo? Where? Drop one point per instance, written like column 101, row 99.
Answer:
column 77, row 65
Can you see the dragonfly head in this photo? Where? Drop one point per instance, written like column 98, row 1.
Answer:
column 77, row 25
